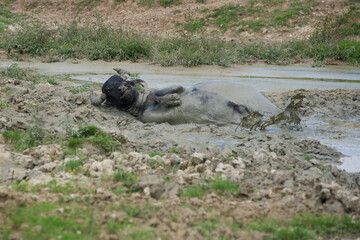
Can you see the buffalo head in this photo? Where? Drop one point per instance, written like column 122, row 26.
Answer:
column 118, row 91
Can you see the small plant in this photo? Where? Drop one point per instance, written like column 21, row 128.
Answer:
column 153, row 154
column 3, row 104
column 74, row 166
column 154, row 163
column 14, row 71
column 79, row 89
column 53, row 82
column 176, row 151
column 308, row 157
column 43, row 216
column 127, row 178
column 232, row 154
column 32, row 137
column 194, row 25
column 196, row 191
column 165, row 3
column 224, row 185
column 93, row 135
column 146, row 3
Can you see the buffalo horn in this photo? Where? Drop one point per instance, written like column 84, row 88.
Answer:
column 97, row 100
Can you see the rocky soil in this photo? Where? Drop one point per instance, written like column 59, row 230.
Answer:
column 278, row 176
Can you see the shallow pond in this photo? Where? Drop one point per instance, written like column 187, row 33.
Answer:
column 343, row 135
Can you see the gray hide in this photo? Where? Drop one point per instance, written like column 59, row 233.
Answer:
column 208, row 102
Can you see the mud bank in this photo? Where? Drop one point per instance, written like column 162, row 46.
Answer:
column 279, row 174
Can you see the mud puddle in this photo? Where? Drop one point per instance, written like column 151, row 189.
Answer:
column 343, row 135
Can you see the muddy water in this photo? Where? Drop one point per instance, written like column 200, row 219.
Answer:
column 340, row 134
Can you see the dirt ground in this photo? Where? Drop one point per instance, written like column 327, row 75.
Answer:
column 277, row 178
column 165, row 21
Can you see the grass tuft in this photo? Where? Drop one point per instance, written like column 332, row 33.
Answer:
column 127, row 178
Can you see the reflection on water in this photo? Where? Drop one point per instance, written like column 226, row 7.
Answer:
column 343, row 135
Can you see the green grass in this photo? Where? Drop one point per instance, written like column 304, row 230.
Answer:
column 41, row 221
column 6, row 18
column 223, row 185
column 93, row 135
column 307, row 226
column 196, row 191
column 127, row 178
column 165, row 3
column 218, row 185
column 68, row 220
column 53, row 187
column 153, row 154
column 74, row 166
column 92, row 41
column 154, row 163
column 332, row 40
column 14, row 71
column 194, row 25
column 82, row 88
column 24, row 140
column 3, row 104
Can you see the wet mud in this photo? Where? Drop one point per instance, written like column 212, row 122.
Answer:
column 281, row 172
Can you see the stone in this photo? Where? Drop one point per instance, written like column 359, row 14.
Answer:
column 17, row 174
column 238, row 163
column 44, row 153
column 108, row 167
column 197, row 158
column 48, row 167
column 175, row 160
column 39, row 179
column 25, row 161
column 156, row 187
column 260, row 156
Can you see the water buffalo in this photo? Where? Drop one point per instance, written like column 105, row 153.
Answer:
column 216, row 102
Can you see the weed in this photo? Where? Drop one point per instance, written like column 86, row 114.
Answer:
column 308, row 157
column 14, row 71
column 165, row 3
column 224, row 185
column 307, row 226
column 33, row 136
column 196, row 191
column 175, row 150
column 147, row 3
column 154, row 163
column 194, row 25
column 127, row 178
column 207, row 227
column 40, row 221
column 53, row 82
column 232, row 154
column 142, row 234
column 74, row 166
column 93, row 135
column 93, row 41
column 6, row 18
column 153, row 154
column 23, row 187
column 3, row 104
column 81, row 88
column 298, row 233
